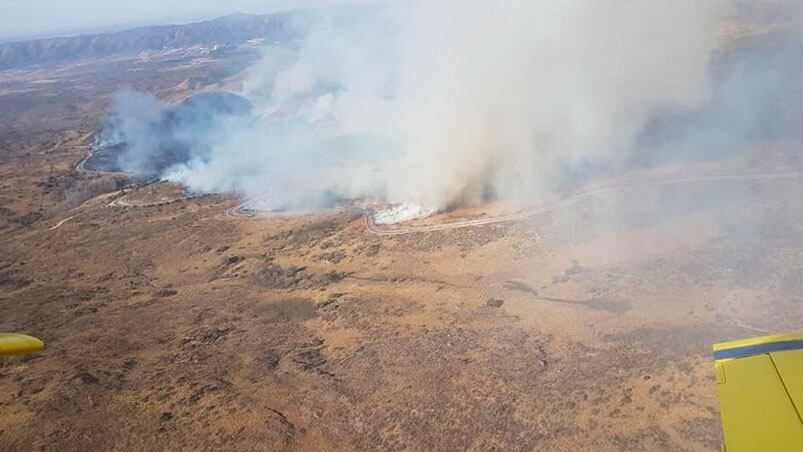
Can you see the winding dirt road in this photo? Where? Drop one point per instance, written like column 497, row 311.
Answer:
column 243, row 211
column 122, row 201
column 81, row 166
column 60, row 223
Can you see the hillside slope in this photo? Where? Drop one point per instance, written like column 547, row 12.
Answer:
column 224, row 31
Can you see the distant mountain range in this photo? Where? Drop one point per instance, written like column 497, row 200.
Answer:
column 230, row 30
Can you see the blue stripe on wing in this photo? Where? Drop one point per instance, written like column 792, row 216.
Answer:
column 752, row 350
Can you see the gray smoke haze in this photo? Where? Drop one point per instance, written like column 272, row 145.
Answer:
column 157, row 136
column 436, row 104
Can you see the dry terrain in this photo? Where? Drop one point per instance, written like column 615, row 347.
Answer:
column 172, row 324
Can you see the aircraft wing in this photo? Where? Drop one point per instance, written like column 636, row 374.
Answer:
column 18, row 344
column 760, row 388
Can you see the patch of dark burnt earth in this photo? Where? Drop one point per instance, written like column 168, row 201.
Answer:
column 232, row 260
column 471, row 380
column 283, row 311
column 230, row 267
column 85, row 378
column 105, row 159
column 166, row 293
column 598, row 304
column 673, row 342
column 273, row 276
column 521, row 287
column 309, row 358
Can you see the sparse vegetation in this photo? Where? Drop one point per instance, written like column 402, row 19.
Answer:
column 83, row 191
column 276, row 277
column 28, row 219
column 176, row 326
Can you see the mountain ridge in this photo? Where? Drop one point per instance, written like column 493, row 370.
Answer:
column 231, row 30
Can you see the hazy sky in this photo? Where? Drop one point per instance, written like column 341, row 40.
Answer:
column 34, row 18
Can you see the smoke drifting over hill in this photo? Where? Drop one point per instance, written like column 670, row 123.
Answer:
column 442, row 103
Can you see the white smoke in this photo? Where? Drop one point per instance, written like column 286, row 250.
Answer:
column 437, row 103
column 503, row 97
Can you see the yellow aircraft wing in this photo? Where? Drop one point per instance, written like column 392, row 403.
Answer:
column 760, row 386
column 19, row 344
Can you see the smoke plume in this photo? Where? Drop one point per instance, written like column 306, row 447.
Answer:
column 436, row 104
